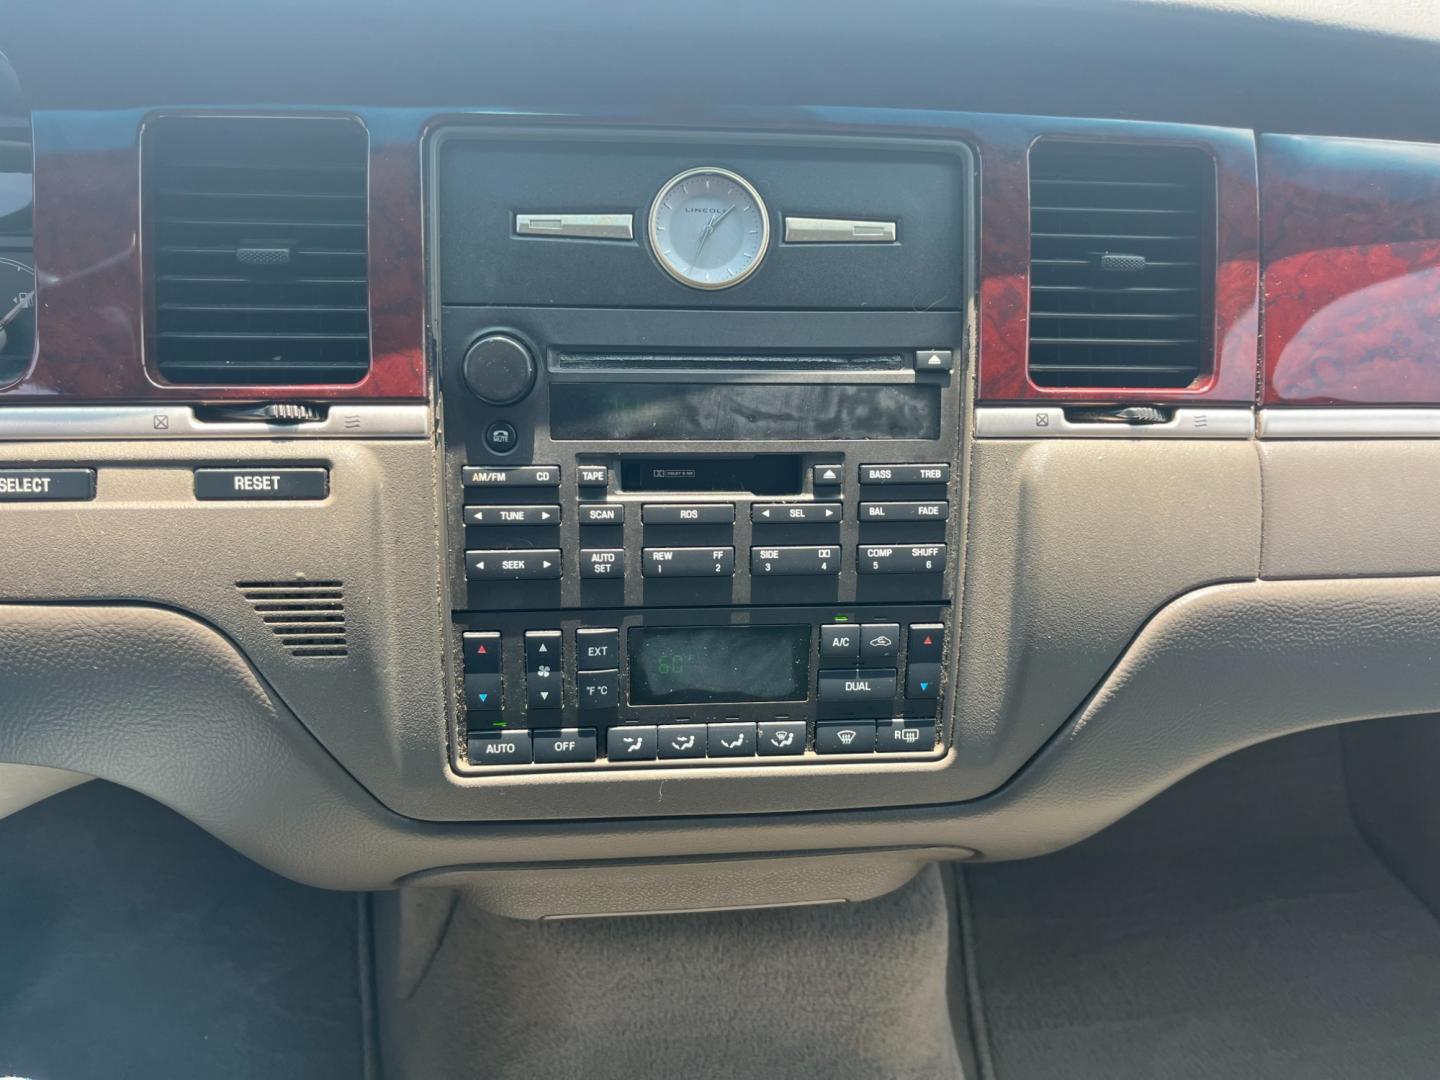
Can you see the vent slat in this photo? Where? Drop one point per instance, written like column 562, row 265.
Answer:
column 259, row 234
column 1118, row 254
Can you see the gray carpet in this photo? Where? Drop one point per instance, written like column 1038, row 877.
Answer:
column 132, row 944
column 1238, row 926
column 848, row 992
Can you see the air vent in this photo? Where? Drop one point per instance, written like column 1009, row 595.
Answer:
column 307, row 616
column 1121, row 250
column 257, row 233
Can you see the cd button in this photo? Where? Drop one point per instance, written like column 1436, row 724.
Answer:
column 519, row 476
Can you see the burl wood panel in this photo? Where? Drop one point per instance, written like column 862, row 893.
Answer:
column 91, row 294
column 1004, row 144
column 1352, row 271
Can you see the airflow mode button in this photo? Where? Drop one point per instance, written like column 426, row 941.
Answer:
column 262, row 484
column 47, row 485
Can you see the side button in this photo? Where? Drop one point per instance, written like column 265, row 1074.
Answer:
column 500, row 748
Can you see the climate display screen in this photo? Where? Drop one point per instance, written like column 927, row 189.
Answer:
column 693, row 665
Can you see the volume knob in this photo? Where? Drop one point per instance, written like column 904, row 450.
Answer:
column 499, row 370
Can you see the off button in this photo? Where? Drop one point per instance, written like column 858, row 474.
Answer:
column 262, row 484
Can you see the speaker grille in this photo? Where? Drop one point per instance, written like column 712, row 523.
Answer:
column 307, row 616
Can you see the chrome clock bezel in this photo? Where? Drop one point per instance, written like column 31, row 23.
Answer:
column 674, row 271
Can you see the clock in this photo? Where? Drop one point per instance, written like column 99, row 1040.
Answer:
column 709, row 228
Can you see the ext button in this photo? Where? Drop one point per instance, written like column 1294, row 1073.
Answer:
column 844, row 736
column 901, row 559
column 556, row 745
column 519, row 476
column 602, row 562
column 592, row 475
column 905, row 474
column 904, row 511
column 512, row 565
column 48, row 485
column 816, row 513
column 732, row 740
column 781, row 738
column 602, row 513
column 261, row 483
column 696, row 514
column 857, row 685
column 482, row 652
column 904, row 736
column 688, row 562
column 840, row 643
column 631, row 743
column 879, row 641
column 500, row 748
column 927, row 643
column 682, row 740
column 597, row 649
column 922, row 681
column 794, row 561
column 597, row 689
column 512, row 515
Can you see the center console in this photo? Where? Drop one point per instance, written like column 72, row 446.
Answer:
column 703, row 455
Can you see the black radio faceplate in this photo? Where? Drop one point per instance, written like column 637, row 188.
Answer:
column 773, row 454
column 791, row 684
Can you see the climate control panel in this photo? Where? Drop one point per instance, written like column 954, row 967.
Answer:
column 626, row 687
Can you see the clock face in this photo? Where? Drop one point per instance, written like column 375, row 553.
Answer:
column 709, row 228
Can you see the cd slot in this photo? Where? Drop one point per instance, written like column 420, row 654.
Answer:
column 651, row 363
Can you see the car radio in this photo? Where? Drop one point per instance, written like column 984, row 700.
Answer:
column 702, row 403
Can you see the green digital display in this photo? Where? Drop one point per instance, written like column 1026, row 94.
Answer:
column 696, row 665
